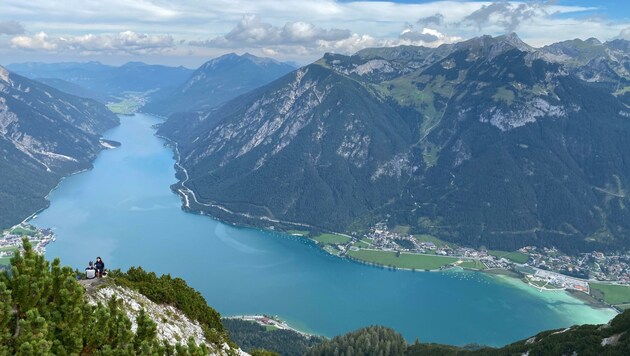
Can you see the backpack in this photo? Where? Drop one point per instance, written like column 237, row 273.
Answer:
column 90, row 273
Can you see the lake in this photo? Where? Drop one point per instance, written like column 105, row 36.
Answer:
column 124, row 211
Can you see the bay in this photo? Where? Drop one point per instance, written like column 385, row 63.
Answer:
column 124, row 211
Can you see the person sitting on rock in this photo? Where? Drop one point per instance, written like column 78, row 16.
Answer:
column 90, row 271
column 100, row 267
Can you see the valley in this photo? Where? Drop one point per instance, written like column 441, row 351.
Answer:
column 124, row 205
column 401, row 186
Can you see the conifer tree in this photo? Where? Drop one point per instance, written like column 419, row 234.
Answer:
column 44, row 311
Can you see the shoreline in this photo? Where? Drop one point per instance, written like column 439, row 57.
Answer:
column 47, row 196
column 186, row 192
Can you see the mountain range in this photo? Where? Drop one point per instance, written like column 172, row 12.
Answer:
column 217, row 81
column 45, row 134
column 487, row 142
column 106, row 79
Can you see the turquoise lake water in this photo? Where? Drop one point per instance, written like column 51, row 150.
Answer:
column 124, row 211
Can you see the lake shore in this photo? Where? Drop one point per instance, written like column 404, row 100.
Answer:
column 125, row 205
column 186, row 194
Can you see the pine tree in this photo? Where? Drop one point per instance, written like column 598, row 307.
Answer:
column 44, row 311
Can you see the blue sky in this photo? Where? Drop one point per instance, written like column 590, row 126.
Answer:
column 189, row 32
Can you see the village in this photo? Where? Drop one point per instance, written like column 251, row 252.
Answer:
column 11, row 240
column 544, row 267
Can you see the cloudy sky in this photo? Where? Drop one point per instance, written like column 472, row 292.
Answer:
column 189, row 32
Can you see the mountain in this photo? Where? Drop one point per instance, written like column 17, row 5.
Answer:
column 217, row 81
column 603, row 64
column 487, row 142
column 44, row 135
column 75, row 89
column 106, row 79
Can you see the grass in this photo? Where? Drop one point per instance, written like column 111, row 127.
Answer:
column 297, row 232
column 505, row 95
column 611, row 294
column 361, row 244
column 23, row 232
column 331, row 249
column 540, row 284
column 405, row 260
column 473, row 264
column 402, row 229
column 428, row 238
column 515, row 256
column 5, row 261
column 331, row 239
column 430, row 153
column 129, row 105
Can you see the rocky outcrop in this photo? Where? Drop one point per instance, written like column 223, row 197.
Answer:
column 173, row 326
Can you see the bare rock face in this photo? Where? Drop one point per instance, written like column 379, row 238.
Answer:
column 173, row 326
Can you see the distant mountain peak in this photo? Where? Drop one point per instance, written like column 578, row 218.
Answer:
column 495, row 45
column 259, row 60
column 513, row 39
column 217, row 81
column 134, row 64
column 593, row 41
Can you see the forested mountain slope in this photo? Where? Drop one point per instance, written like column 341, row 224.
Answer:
column 487, row 142
column 217, row 81
column 44, row 135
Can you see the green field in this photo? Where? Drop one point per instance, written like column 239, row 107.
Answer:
column 331, row 239
column 405, row 260
column 611, row 294
column 473, row 264
column 402, row 229
column 129, row 105
column 331, row 249
column 361, row 244
column 515, row 256
column 5, row 260
column 428, row 238
column 23, row 232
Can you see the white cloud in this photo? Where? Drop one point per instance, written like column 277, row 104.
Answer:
column 433, row 20
column 506, row 15
column 252, row 31
column 305, row 38
column 624, row 34
column 124, row 42
column 269, row 52
column 297, row 30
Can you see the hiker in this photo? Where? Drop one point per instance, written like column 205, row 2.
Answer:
column 100, row 267
column 90, row 271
